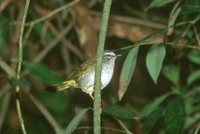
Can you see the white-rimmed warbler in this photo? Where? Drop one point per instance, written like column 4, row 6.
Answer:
column 84, row 77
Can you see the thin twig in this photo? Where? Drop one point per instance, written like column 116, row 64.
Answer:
column 196, row 34
column 98, row 68
column 5, row 89
column 66, row 42
column 4, row 108
column 20, row 58
column 4, row 4
column 146, row 42
column 38, row 59
column 197, row 129
column 7, row 68
column 38, row 104
column 28, row 33
column 192, row 92
column 172, row 18
column 66, row 60
column 53, row 43
column 52, row 13
column 153, row 42
column 123, row 126
column 134, row 12
column 92, row 3
column 45, row 112
column 134, row 21
column 65, row 52
column 104, row 128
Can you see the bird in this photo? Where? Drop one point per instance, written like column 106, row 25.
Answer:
column 84, row 76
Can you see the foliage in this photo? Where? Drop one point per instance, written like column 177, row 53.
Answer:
column 154, row 60
column 156, row 79
column 127, row 71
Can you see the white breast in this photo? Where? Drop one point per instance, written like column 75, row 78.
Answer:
column 107, row 73
column 86, row 81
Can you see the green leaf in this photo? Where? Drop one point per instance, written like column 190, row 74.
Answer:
column 174, row 116
column 23, row 83
column 75, row 121
column 58, row 103
column 191, row 7
column 159, row 3
column 123, row 125
column 119, row 112
column 4, row 33
column 127, row 71
column 151, row 120
column 173, row 16
column 194, row 56
column 172, row 73
column 189, row 104
column 2, row 41
column 42, row 73
column 153, row 105
column 193, row 77
column 188, row 9
column 38, row 29
column 154, row 60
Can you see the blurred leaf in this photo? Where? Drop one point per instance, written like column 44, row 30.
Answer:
column 42, row 73
column 48, row 36
column 153, row 105
column 159, row 3
column 65, row 12
column 154, row 60
column 151, row 120
column 173, row 16
column 24, row 83
column 43, row 32
column 38, row 29
column 172, row 73
column 194, row 56
column 188, row 9
column 4, row 33
column 174, row 116
column 127, row 71
column 119, row 112
column 189, row 105
column 2, row 40
column 75, row 121
column 191, row 7
column 193, row 77
column 58, row 103
column 123, row 126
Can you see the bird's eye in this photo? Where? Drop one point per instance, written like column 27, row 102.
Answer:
column 109, row 55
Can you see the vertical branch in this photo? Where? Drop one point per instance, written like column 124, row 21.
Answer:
column 100, row 49
column 20, row 58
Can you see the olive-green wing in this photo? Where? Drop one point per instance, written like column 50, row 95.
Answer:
column 86, row 66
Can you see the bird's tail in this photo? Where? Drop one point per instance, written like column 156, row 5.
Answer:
column 62, row 86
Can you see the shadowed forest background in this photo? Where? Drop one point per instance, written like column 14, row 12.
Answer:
column 155, row 88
